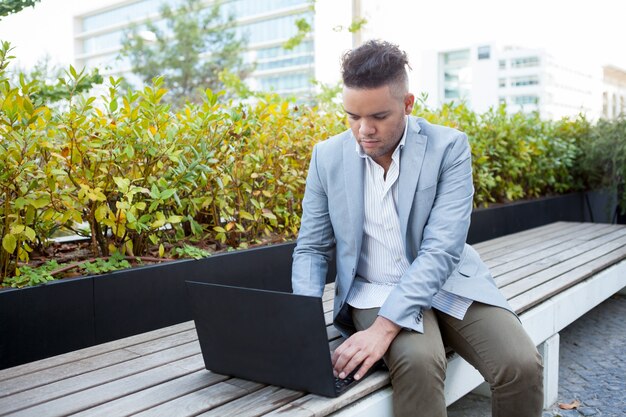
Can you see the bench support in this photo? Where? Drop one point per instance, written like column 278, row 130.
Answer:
column 549, row 351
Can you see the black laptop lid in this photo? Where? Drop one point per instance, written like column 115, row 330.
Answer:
column 265, row 336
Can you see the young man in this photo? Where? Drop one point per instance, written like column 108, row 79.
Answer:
column 393, row 197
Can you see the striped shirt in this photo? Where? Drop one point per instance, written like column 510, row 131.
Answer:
column 382, row 261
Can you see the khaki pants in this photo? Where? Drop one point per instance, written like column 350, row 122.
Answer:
column 490, row 338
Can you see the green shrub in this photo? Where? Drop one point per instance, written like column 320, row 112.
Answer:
column 604, row 157
column 516, row 156
column 228, row 174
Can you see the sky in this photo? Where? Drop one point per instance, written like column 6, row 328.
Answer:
column 583, row 33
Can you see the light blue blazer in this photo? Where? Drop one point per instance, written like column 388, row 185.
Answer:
column 435, row 192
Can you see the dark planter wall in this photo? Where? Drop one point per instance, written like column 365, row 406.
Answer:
column 124, row 298
column 71, row 314
column 47, row 320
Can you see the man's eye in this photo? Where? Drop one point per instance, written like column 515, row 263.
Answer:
column 380, row 117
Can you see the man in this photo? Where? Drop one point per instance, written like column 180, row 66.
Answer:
column 393, row 197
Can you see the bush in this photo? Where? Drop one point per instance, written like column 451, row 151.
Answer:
column 141, row 175
column 604, row 157
column 145, row 177
column 516, row 156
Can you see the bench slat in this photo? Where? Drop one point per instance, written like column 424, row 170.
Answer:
column 93, row 351
column 115, row 389
column 204, row 399
column 320, row 406
column 256, row 404
column 539, row 265
column 548, row 289
column 498, row 242
column 87, row 380
column 557, row 266
column 551, row 248
column 521, row 254
column 154, row 396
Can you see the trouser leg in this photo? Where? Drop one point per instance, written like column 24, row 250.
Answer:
column 494, row 342
column 417, row 366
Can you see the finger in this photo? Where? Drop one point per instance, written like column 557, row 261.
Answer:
column 354, row 362
column 344, row 359
column 365, row 367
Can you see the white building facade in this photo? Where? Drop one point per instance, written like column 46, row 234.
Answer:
column 524, row 79
column 267, row 25
column 614, row 93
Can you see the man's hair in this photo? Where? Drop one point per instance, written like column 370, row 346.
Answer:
column 374, row 64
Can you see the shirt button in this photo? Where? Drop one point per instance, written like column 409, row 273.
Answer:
column 398, row 259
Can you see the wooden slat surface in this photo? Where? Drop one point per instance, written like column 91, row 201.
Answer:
column 161, row 373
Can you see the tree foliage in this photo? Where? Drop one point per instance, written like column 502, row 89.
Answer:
column 197, row 44
column 49, row 85
column 8, row 7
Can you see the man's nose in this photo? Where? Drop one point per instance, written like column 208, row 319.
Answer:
column 366, row 129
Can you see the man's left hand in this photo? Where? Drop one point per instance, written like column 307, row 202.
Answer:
column 364, row 348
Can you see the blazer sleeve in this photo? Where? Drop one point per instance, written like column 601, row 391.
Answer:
column 315, row 239
column 442, row 242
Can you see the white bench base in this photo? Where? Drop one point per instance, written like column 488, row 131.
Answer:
column 542, row 322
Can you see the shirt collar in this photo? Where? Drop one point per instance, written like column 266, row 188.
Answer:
column 359, row 149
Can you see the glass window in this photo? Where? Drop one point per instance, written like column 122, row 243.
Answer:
column 502, row 100
column 531, row 61
column 451, row 75
column 521, row 100
column 103, row 42
column 450, row 93
column 484, row 52
column 456, row 57
column 269, row 30
column 245, row 8
column 502, row 64
column 286, row 82
column 502, row 82
column 125, row 14
column 525, row 81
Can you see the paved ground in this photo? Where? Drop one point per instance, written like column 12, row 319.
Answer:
column 592, row 367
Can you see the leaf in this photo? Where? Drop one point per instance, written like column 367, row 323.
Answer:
column 30, row 233
column 9, row 243
column 101, row 213
column 17, row 229
column 571, row 406
column 161, row 250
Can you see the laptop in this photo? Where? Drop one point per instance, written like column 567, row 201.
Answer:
column 265, row 336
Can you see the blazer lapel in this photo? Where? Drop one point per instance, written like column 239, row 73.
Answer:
column 411, row 160
column 353, row 180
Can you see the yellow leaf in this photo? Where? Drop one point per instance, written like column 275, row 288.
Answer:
column 161, row 250
column 9, row 243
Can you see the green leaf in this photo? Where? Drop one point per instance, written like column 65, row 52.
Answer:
column 30, row 234
column 9, row 243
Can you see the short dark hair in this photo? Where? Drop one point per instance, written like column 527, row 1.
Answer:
column 374, row 64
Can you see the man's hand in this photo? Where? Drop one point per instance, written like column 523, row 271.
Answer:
column 364, row 348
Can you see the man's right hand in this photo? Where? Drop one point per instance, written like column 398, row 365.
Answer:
column 363, row 349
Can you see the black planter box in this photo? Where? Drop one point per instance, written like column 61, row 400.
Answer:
column 70, row 314
column 47, row 320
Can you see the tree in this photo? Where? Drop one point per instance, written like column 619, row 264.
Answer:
column 197, row 45
column 8, row 7
column 48, row 82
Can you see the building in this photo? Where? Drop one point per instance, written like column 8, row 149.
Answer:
column 614, row 93
column 267, row 25
column 524, row 79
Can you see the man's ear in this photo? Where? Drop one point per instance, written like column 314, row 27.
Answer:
column 409, row 101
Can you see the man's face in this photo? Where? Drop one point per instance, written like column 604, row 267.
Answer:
column 377, row 119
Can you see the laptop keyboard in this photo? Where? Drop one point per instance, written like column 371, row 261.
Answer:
column 343, row 384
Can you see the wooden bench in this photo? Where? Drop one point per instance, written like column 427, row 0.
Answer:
column 551, row 275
